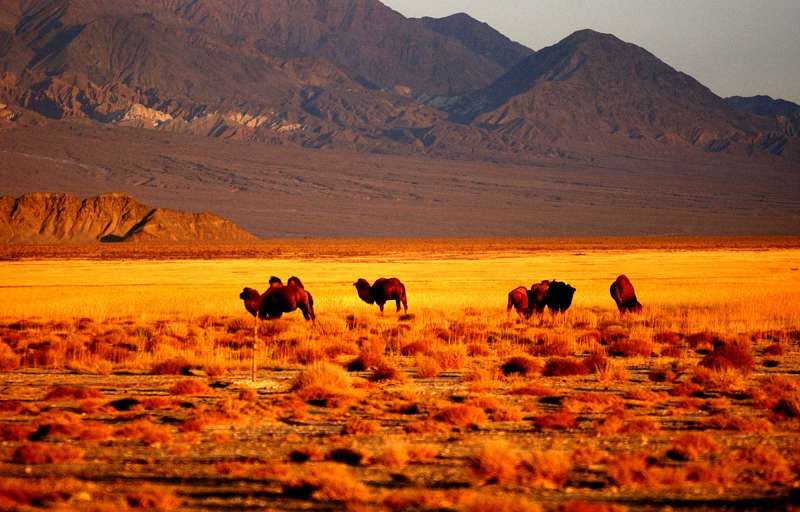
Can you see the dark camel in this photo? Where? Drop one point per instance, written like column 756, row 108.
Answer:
column 382, row 291
column 273, row 303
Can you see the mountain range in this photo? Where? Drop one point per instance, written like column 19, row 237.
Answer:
column 356, row 75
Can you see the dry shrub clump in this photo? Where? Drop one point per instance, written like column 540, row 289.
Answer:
column 324, row 383
column 560, row 420
column 462, row 415
column 427, row 367
column 631, row 348
column 521, row 365
column 190, row 387
column 385, row 371
column 8, row 359
column 593, row 402
column 393, row 455
column 47, row 453
column 450, row 357
column 736, row 355
column 739, row 423
column 326, row 482
column 692, row 445
column 149, row 497
column 174, row 366
column 626, row 424
column 72, row 393
column 145, row 431
column 359, row 427
column 564, row 366
column 24, row 492
column 497, row 462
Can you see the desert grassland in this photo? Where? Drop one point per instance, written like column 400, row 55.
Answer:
column 757, row 284
column 125, row 382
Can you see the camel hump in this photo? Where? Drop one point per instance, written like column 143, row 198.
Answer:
column 294, row 280
column 274, row 280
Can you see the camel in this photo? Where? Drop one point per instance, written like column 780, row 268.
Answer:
column 382, row 291
column 518, row 299
column 624, row 295
column 273, row 303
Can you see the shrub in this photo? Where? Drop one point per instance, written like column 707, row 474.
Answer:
column 72, row 393
column 190, row 387
column 427, row 367
column 521, row 365
column 358, row 426
column 495, row 462
column 174, row 366
column 564, row 366
column 631, row 348
column 561, row 420
column 322, row 382
column 692, row 445
column 47, row 453
column 737, row 355
column 462, row 415
column 326, row 482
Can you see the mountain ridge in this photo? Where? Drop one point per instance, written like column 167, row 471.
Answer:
column 113, row 217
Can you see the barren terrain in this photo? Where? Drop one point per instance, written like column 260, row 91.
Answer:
column 279, row 191
column 125, row 383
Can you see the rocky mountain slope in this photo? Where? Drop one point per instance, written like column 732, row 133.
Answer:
column 50, row 217
column 356, row 75
column 591, row 89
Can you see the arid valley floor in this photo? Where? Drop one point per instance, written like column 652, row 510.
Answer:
column 125, row 379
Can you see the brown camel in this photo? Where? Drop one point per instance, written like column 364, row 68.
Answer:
column 624, row 295
column 382, row 291
column 518, row 299
column 273, row 303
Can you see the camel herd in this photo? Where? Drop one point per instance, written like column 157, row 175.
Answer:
column 553, row 295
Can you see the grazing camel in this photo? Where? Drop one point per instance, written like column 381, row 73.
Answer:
column 537, row 297
column 624, row 295
column 382, row 291
column 518, row 299
column 559, row 296
column 273, row 303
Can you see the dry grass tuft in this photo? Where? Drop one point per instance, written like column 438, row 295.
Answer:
column 150, row 497
column 692, row 445
column 393, row 455
column 427, row 367
column 190, row 387
column 360, row 427
column 737, row 355
column 631, row 348
column 326, row 482
column 521, row 365
column 174, row 366
column 496, row 462
column 72, row 393
column 386, row 371
column 324, row 383
column 560, row 420
column 47, row 453
column 564, row 366
column 145, row 431
column 462, row 415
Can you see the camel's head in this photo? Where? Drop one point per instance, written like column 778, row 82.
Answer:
column 251, row 299
column 363, row 288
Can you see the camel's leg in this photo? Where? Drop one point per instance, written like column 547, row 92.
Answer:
column 255, row 344
column 397, row 303
column 380, row 305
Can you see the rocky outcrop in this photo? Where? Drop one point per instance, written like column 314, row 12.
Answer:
column 54, row 217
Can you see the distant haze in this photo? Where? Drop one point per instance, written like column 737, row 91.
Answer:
column 735, row 47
